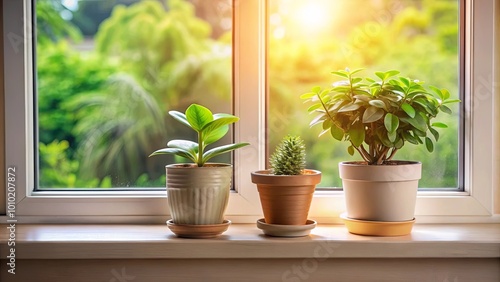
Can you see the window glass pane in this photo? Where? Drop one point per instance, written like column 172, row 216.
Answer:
column 309, row 39
column 107, row 74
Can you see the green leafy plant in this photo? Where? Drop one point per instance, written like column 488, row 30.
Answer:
column 289, row 157
column 209, row 127
column 382, row 114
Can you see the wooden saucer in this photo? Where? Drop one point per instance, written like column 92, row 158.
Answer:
column 198, row 231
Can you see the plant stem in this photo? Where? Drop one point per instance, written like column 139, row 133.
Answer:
column 326, row 110
column 362, row 155
column 373, row 145
column 394, row 150
column 370, row 157
column 381, row 157
column 200, row 150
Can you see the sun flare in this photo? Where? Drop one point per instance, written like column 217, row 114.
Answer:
column 303, row 18
column 311, row 15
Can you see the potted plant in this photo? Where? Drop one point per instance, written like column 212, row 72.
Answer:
column 286, row 190
column 198, row 192
column 377, row 117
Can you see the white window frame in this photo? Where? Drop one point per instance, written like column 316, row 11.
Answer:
column 475, row 204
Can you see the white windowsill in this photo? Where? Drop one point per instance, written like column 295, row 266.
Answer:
column 246, row 241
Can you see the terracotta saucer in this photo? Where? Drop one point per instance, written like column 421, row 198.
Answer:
column 278, row 230
column 377, row 228
column 198, row 231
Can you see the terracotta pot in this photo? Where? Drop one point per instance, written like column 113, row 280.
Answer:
column 286, row 199
column 198, row 195
column 380, row 192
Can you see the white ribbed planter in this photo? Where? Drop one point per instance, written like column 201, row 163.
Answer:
column 198, row 195
column 380, row 192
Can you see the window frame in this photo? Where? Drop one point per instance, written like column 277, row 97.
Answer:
column 475, row 204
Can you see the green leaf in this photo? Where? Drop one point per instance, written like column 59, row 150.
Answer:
column 410, row 138
column 356, row 71
column 324, row 93
column 377, row 103
column 372, row 114
column 357, row 133
column 356, row 80
column 180, row 117
column 327, row 124
column 317, row 120
column 390, row 73
column 198, row 116
column 437, row 91
column 452, row 101
column 221, row 150
column 186, row 145
column 419, row 133
column 323, row 132
column 314, row 107
column 439, row 124
column 446, row 94
column 429, row 145
column 380, row 74
column 174, row 151
column 341, row 74
column 391, row 122
column 383, row 138
column 362, row 97
column 220, row 120
column 426, row 105
column 392, row 136
column 307, row 95
column 337, row 132
column 405, row 81
column 349, row 107
column 409, row 110
column 399, row 143
column 417, row 122
column 445, row 109
column 215, row 135
column 350, row 150
column 316, row 89
column 435, row 133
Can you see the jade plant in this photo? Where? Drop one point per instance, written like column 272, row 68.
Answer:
column 289, row 157
column 378, row 116
column 209, row 128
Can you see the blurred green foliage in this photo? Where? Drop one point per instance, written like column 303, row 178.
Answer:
column 420, row 38
column 108, row 95
column 103, row 97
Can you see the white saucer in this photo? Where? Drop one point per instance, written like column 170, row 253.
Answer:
column 279, row 230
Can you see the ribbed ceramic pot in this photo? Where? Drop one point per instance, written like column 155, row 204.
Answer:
column 198, row 195
column 380, row 192
column 286, row 199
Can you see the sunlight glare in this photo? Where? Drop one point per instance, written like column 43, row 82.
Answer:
column 312, row 15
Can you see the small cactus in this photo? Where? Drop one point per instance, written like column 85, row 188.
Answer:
column 289, row 157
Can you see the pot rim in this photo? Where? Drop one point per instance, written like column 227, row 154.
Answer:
column 267, row 173
column 193, row 166
column 397, row 163
column 263, row 177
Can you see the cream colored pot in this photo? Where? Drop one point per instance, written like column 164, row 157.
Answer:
column 198, row 195
column 380, row 192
